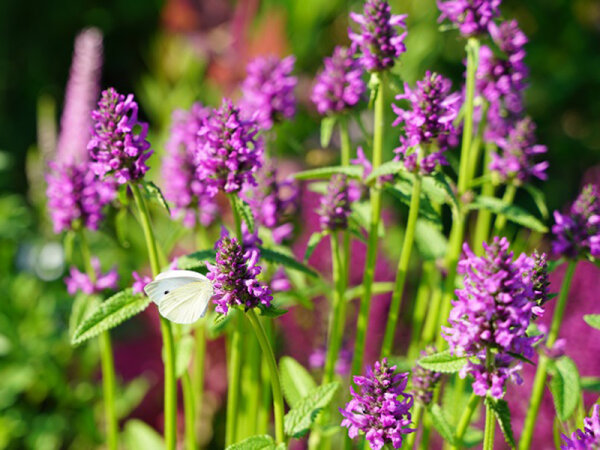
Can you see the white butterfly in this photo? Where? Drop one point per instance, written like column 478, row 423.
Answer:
column 182, row 296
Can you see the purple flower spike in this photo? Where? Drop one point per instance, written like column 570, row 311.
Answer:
column 428, row 121
column 76, row 196
column 234, row 277
column 382, row 408
column 577, row 234
column 269, row 90
column 228, row 152
column 492, row 313
column 587, row 438
column 379, row 43
column 335, row 205
column 181, row 186
column 472, row 17
column 516, row 162
column 339, row 86
column 79, row 281
column 424, row 380
column 118, row 146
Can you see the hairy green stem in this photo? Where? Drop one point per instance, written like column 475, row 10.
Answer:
column 369, row 273
column 170, row 394
column 507, row 199
column 273, row 372
column 542, row 369
column 189, row 412
column 465, row 420
column 409, row 237
column 490, row 427
column 233, row 383
column 476, row 145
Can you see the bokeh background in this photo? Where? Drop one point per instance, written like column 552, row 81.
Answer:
column 171, row 53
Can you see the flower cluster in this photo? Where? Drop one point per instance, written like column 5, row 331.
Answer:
column 491, row 314
column 339, row 86
column 76, row 196
column 343, row 363
column 79, row 281
column 80, row 97
column 424, row 380
column 587, row 438
column 382, row 408
column 269, row 90
column 118, row 145
column 577, row 234
column 228, row 152
column 516, row 162
column 429, row 121
column 181, row 186
column 234, row 277
column 378, row 40
column 472, row 17
column 274, row 202
column 540, row 281
column 335, row 204
column 140, row 282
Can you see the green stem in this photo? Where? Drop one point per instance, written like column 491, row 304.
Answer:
column 416, row 416
column 542, row 368
column 476, row 145
column 409, row 237
column 272, row 364
column 344, row 140
column 490, row 427
column 189, row 412
column 170, row 394
column 237, row 220
column 233, row 383
column 509, row 196
column 265, row 382
column 484, row 217
column 369, row 274
column 432, row 319
column 420, row 309
column 465, row 420
column 106, row 360
column 198, row 373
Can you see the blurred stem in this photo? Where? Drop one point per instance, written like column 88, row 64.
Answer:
column 272, row 364
column 484, row 217
column 106, row 360
column 416, row 416
column 490, row 417
column 237, row 220
column 189, row 412
column 265, row 406
column 432, row 319
column 465, row 420
column 543, row 363
column 409, row 237
column 476, row 145
column 369, row 274
column 198, row 373
column 170, row 395
column 509, row 196
column 420, row 308
column 344, row 140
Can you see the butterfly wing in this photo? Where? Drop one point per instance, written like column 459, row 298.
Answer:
column 187, row 303
column 167, row 282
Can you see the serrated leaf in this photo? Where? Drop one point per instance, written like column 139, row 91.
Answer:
column 387, row 168
column 296, row 382
column 565, row 387
column 217, row 322
column 287, row 261
column 327, row 125
column 326, row 172
column 502, row 413
column 513, row 213
column 313, row 241
column 183, row 356
column 154, row 192
column 261, row 442
column 439, row 421
column 402, row 190
column 438, row 188
column 591, row 384
column 109, row 314
column 82, row 307
column 300, row 418
column 431, row 242
column 244, row 211
column 443, row 362
column 140, row 436
column 593, row 320
column 196, row 260
column 272, row 311
column 538, row 198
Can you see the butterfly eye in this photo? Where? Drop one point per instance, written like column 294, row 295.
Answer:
column 166, row 292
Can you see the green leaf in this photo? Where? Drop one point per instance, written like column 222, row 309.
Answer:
column 313, row 241
column 217, row 322
column 441, row 423
column 591, row 384
column 326, row 172
column 431, row 242
column 82, row 307
column 443, row 362
column 472, row 437
column 502, row 413
column 154, row 192
column 287, row 261
column 129, row 397
column 272, row 311
column 260, row 442
column 300, row 418
column 196, row 260
column 513, row 213
column 438, row 188
column 593, row 320
column 140, row 436
column 402, row 190
column 361, row 215
column 244, row 211
column 538, row 198
column 109, row 314
column 387, row 168
column 327, row 125
column 183, row 355
column 296, row 382
column 565, row 387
